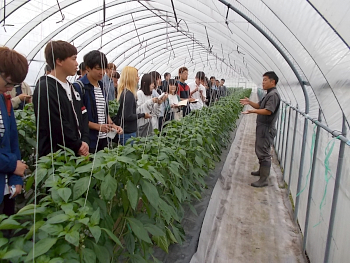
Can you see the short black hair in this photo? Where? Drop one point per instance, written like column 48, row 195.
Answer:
column 177, row 77
column 207, row 81
column 182, row 70
column 166, row 74
column 200, row 75
column 212, row 77
column 271, row 75
column 116, row 75
column 82, row 67
column 146, row 81
column 58, row 50
column 95, row 58
column 223, row 80
column 47, row 68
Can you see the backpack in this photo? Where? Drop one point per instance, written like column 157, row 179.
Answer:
column 81, row 85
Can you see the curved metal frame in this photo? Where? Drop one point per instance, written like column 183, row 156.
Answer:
column 42, row 43
column 244, row 71
column 20, row 34
column 13, row 8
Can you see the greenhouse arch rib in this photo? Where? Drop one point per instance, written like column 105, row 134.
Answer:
column 229, row 37
column 223, row 30
column 11, row 8
column 311, row 57
column 37, row 49
column 20, row 34
column 284, row 55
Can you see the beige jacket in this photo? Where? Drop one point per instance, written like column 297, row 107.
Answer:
column 15, row 99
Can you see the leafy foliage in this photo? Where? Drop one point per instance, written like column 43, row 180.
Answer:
column 116, row 205
column 25, row 120
column 113, row 106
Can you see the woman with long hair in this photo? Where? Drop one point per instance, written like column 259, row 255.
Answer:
column 147, row 104
column 171, row 104
column 127, row 116
column 157, row 119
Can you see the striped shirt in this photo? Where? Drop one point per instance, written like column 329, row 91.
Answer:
column 2, row 127
column 101, row 110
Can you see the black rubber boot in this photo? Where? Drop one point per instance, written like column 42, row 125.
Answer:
column 264, row 174
column 256, row 173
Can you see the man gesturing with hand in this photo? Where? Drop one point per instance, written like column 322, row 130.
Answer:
column 267, row 111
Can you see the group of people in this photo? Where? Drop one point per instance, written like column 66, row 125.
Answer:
column 76, row 115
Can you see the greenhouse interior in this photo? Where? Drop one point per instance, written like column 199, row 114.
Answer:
column 174, row 131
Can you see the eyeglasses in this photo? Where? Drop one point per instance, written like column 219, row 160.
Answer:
column 9, row 84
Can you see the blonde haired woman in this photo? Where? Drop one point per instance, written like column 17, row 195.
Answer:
column 126, row 116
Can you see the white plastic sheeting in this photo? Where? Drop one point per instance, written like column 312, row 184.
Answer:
column 149, row 35
column 323, row 189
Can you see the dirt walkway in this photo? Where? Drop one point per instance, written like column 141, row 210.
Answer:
column 246, row 224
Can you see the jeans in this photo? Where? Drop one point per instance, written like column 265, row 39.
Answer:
column 124, row 137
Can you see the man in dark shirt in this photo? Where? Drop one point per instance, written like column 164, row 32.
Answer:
column 165, row 82
column 267, row 110
column 223, row 88
column 184, row 90
column 59, row 112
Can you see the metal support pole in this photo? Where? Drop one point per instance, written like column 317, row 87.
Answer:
column 335, row 193
column 287, row 140
column 312, row 177
column 284, row 132
column 301, row 167
column 279, row 137
column 293, row 147
column 325, row 127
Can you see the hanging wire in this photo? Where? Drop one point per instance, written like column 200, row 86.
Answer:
column 137, row 33
column 4, row 21
column 209, row 46
column 63, row 16
column 172, row 4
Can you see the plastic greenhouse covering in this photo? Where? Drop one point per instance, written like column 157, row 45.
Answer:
column 306, row 42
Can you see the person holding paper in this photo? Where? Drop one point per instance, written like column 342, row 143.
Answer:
column 184, row 90
column 172, row 103
column 197, row 91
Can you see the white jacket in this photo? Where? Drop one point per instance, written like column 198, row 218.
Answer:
column 145, row 104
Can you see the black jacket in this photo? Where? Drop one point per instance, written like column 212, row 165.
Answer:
column 165, row 86
column 127, row 112
column 53, row 107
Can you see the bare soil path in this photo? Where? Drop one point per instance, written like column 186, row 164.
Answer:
column 245, row 224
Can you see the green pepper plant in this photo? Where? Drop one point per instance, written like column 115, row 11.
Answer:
column 117, row 205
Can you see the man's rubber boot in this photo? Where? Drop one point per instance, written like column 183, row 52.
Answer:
column 264, row 174
column 256, row 173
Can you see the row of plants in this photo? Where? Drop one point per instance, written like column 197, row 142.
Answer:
column 117, row 205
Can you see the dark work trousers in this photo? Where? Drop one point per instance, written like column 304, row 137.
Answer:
column 264, row 140
column 7, row 207
column 186, row 110
column 102, row 143
column 161, row 121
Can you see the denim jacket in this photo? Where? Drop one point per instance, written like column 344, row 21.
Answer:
column 9, row 149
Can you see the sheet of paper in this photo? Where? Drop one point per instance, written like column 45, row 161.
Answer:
column 183, row 103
